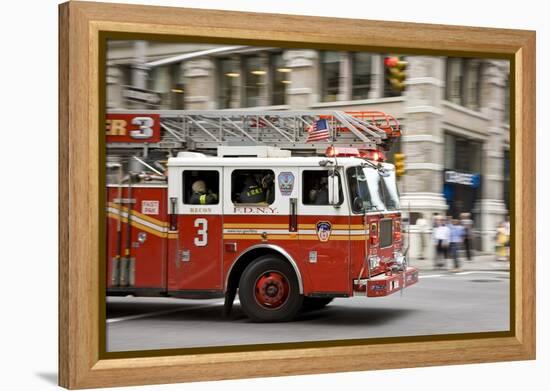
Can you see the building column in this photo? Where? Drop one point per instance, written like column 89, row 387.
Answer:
column 377, row 77
column 422, row 144
column 200, row 84
column 346, row 76
column 140, row 71
column 490, row 209
column 264, row 86
column 114, row 87
column 304, row 78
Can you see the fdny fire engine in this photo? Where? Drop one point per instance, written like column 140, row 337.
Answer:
column 284, row 230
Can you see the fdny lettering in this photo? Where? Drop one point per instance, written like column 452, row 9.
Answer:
column 200, row 210
column 254, row 209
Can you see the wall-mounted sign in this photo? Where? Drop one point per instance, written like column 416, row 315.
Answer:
column 139, row 95
column 132, row 128
column 463, row 178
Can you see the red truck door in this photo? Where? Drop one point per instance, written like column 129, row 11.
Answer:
column 197, row 265
column 324, row 234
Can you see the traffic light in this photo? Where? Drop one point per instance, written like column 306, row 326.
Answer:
column 399, row 161
column 395, row 73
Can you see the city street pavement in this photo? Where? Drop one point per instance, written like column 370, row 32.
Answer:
column 440, row 303
column 485, row 262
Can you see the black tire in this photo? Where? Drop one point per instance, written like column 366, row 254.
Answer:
column 315, row 303
column 278, row 299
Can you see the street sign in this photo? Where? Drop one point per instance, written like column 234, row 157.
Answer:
column 134, row 94
column 462, row 178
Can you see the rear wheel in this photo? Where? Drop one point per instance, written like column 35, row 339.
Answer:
column 315, row 303
column 268, row 290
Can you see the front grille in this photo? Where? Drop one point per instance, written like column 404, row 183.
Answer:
column 386, row 234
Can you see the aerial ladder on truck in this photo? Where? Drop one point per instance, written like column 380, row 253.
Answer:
column 205, row 130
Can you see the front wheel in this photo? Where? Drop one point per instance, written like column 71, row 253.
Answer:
column 268, row 290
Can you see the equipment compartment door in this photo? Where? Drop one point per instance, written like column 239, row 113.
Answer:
column 198, row 265
column 137, row 254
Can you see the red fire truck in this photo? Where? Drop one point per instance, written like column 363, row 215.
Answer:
column 283, row 232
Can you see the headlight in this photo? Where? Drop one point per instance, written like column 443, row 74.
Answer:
column 400, row 260
column 374, row 262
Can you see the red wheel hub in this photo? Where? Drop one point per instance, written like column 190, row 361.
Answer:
column 271, row 290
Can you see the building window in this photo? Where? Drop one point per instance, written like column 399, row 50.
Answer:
column 229, row 82
column 177, row 89
column 253, row 187
column 472, row 89
column 251, row 81
column 462, row 174
column 255, row 77
column 507, row 100
column 462, row 154
column 167, row 80
column 454, row 81
column 280, row 79
column 361, row 64
column 330, row 76
column 201, row 187
column 463, row 82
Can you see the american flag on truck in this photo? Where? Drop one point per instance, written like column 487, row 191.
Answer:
column 318, row 131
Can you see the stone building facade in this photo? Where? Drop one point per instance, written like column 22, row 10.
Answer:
column 454, row 111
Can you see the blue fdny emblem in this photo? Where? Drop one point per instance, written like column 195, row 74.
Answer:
column 323, row 230
column 286, row 183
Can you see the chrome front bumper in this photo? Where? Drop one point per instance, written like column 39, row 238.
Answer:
column 386, row 284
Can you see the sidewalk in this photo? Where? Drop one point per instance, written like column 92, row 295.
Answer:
column 484, row 262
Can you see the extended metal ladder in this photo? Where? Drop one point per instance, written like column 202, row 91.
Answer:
column 208, row 129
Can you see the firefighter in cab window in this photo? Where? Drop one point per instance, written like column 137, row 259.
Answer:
column 251, row 193
column 318, row 195
column 201, row 195
column 321, row 198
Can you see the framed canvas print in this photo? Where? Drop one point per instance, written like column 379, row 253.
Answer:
column 247, row 195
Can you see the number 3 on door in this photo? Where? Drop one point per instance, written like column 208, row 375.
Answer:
column 202, row 239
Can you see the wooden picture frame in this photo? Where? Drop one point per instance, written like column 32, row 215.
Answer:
column 82, row 362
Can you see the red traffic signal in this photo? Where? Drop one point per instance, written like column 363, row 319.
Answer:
column 395, row 72
column 391, row 61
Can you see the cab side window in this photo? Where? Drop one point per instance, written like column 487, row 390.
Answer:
column 315, row 187
column 201, row 187
column 253, row 187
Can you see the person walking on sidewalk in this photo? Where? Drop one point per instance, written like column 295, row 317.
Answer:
column 502, row 242
column 423, row 228
column 457, row 238
column 468, row 224
column 441, row 238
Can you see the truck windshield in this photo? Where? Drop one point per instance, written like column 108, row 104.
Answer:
column 377, row 192
column 360, row 189
column 391, row 194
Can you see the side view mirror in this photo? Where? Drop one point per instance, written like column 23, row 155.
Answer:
column 333, row 190
column 358, row 204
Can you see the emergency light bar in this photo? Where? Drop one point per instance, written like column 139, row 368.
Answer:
column 370, row 154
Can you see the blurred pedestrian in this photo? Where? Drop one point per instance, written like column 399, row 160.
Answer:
column 468, row 224
column 441, row 238
column 502, row 242
column 507, row 231
column 435, row 220
column 457, row 237
column 423, row 229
